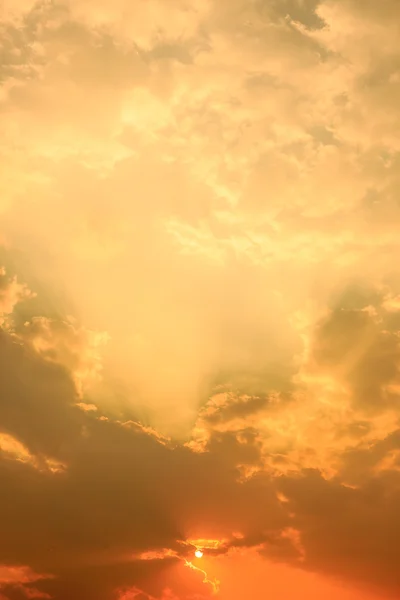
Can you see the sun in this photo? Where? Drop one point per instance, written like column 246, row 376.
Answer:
column 198, row 554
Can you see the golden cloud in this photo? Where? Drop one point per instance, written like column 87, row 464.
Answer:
column 215, row 185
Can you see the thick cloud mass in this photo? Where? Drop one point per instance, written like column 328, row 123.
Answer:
column 199, row 299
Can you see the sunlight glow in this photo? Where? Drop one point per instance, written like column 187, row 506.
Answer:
column 213, row 582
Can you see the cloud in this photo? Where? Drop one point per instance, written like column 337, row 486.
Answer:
column 215, row 186
column 355, row 347
column 356, row 531
column 11, row 292
column 20, row 579
column 198, row 159
column 86, row 523
column 88, row 514
column 138, row 594
column 65, row 344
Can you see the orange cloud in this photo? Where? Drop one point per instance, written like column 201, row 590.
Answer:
column 215, row 185
column 11, row 292
column 21, row 579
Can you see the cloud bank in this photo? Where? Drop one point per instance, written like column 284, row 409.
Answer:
column 199, row 299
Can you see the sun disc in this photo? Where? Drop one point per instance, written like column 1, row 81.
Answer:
column 198, row 554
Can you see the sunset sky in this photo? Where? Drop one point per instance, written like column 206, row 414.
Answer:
column 200, row 299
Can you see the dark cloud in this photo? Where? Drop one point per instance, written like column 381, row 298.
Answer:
column 349, row 532
column 37, row 400
column 354, row 345
column 121, row 491
column 302, row 11
column 246, row 451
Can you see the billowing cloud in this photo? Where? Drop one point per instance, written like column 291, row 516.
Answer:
column 199, row 299
column 11, row 292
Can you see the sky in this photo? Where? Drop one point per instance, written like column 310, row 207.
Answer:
column 199, row 299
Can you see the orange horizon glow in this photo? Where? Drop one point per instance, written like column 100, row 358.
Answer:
column 214, row 583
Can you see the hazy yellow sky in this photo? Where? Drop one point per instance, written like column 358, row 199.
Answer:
column 199, row 299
